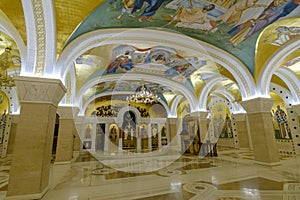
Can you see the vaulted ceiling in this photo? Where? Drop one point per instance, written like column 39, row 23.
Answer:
column 91, row 35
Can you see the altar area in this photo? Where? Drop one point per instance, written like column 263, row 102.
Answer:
column 126, row 132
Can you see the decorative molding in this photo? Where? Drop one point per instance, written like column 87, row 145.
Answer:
column 271, row 65
column 40, row 90
column 40, row 36
column 258, row 105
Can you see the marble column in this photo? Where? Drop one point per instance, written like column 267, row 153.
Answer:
column 31, row 157
column 294, row 119
column 240, row 120
column 66, row 133
column 262, row 130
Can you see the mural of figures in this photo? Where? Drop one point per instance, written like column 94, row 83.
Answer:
column 235, row 12
column 164, row 139
column 194, row 17
column 3, row 125
column 163, row 61
column 144, row 136
column 276, row 10
column 127, row 8
column 88, row 131
column 218, row 124
column 154, row 136
column 280, row 118
column 284, row 34
column 227, row 129
column 220, row 23
column 113, row 133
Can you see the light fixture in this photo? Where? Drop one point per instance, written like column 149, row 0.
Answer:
column 143, row 95
column 5, row 60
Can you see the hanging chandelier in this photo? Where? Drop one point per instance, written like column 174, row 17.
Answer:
column 5, row 79
column 144, row 95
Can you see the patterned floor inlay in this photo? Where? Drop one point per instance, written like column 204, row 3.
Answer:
column 254, row 183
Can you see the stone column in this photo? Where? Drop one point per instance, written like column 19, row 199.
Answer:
column 294, row 116
column 31, row 157
column 66, row 133
column 241, row 129
column 262, row 130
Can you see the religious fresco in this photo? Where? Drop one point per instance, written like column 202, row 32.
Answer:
column 230, row 25
column 158, row 60
column 273, row 37
column 4, row 110
column 161, row 91
column 221, row 121
column 280, row 118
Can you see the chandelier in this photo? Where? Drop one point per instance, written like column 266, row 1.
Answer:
column 5, row 80
column 144, row 95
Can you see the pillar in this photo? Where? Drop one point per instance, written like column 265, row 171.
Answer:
column 66, row 133
column 31, row 157
column 240, row 122
column 262, row 130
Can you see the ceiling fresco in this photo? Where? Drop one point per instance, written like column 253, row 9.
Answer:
column 229, row 24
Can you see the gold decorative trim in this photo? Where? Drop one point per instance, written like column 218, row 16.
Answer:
column 40, row 36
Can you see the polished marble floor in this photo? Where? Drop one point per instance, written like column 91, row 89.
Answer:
column 232, row 175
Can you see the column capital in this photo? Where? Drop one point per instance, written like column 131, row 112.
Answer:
column 257, row 105
column 67, row 112
column 39, row 90
column 200, row 114
column 172, row 120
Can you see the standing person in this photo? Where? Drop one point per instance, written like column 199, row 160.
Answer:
column 194, row 17
column 234, row 13
column 2, row 126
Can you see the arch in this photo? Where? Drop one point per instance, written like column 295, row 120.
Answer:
column 84, row 107
column 292, row 82
column 9, row 29
column 41, row 55
column 271, row 65
column 206, row 90
column 113, row 36
column 234, row 106
column 174, row 105
column 14, row 106
column 218, row 99
column 119, row 119
column 132, row 76
column 285, row 95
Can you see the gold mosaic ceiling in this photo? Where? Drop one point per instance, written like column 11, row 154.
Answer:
column 69, row 14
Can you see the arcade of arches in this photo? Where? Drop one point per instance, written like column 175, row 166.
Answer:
column 111, row 100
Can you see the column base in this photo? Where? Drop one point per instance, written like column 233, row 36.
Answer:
column 28, row 196
column 267, row 164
